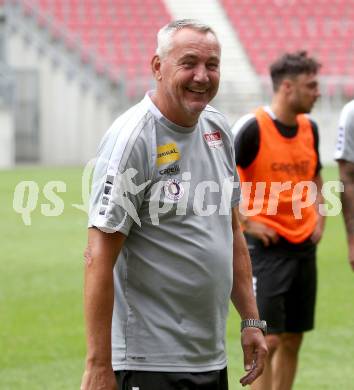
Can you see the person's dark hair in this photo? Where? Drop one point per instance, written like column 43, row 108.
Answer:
column 291, row 65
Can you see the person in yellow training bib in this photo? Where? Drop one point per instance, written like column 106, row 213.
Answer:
column 277, row 158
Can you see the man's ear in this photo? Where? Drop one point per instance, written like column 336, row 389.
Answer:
column 287, row 84
column 156, row 67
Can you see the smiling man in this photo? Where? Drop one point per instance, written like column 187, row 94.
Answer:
column 165, row 252
column 190, row 75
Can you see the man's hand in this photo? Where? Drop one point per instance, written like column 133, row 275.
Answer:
column 99, row 378
column 318, row 232
column 254, row 353
column 346, row 171
column 252, row 340
column 261, row 231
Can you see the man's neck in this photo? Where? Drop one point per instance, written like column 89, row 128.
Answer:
column 283, row 114
column 173, row 116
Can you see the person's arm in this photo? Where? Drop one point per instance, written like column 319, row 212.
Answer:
column 346, row 172
column 246, row 145
column 321, row 219
column 252, row 339
column 100, row 257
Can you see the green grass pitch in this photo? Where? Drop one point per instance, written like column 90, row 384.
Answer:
column 41, row 318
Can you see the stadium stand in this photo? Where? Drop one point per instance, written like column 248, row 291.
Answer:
column 323, row 27
column 74, row 65
column 118, row 36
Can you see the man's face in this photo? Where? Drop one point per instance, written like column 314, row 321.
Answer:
column 188, row 76
column 304, row 92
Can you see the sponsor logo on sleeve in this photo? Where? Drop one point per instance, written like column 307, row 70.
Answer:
column 107, row 189
column 109, row 179
column 214, row 140
column 105, row 200
column 340, row 140
column 167, row 154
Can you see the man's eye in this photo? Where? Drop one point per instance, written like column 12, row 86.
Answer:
column 212, row 66
column 188, row 64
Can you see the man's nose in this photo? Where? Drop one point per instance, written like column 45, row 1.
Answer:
column 201, row 74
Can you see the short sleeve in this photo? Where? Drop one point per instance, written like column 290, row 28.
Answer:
column 246, row 140
column 120, row 179
column 345, row 138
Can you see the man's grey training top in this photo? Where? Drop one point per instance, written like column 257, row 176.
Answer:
column 345, row 140
column 173, row 277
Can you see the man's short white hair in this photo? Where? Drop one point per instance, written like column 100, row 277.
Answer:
column 165, row 34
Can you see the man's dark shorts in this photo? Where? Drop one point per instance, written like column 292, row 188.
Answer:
column 284, row 281
column 146, row 380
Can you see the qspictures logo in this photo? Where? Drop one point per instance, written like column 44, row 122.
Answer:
column 172, row 194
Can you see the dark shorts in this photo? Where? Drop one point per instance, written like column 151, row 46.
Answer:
column 285, row 281
column 146, row 380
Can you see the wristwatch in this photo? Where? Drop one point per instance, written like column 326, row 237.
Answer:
column 249, row 323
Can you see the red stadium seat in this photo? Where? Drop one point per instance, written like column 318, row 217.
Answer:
column 349, row 90
column 118, row 37
column 268, row 28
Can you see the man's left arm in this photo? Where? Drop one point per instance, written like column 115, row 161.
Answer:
column 242, row 296
column 346, row 172
column 321, row 219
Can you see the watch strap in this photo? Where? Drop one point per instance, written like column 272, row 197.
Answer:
column 252, row 323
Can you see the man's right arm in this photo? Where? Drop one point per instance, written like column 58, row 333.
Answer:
column 346, row 171
column 100, row 257
column 246, row 142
